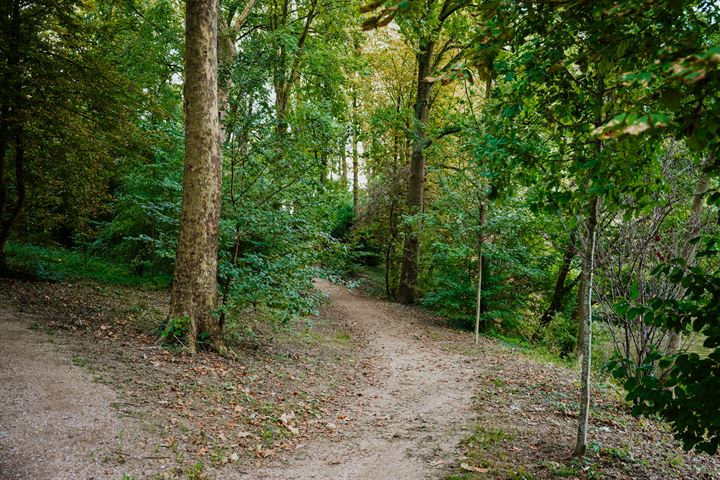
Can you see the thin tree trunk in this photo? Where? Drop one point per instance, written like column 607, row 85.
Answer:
column 416, row 181
column 18, row 141
column 11, row 124
column 4, row 114
column 194, row 288
column 481, row 263
column 560, row 289
column 689, row 250
column 584, row 306
column 388, row 250
column 585, row 309
column 355, row 158
column 344, row 170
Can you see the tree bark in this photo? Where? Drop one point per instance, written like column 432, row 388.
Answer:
column 355, row 157
column 481, row 241
column 288, row 70
column 585, row 316
column 582, row 311
column 6, row 228
column 11, row 124
column 194, row 288
column 560, row 290
column 416, row 181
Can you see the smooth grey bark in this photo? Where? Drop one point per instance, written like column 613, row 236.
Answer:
column 194, row 288
column 585, row 317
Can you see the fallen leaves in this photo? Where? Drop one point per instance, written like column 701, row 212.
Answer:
column 471, row 468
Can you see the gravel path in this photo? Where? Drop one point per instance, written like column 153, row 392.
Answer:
column 55, row 423
column 409, row 420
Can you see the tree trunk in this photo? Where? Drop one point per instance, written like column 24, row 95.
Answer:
column 689, row 251
column 355, row 158
column 585, row 317
column 560, row 289
column 343, row 168
column 583, row 308
column 481, row 263
column 416, row 181
column 11, row 124
column 6, row 228
column 194, row 288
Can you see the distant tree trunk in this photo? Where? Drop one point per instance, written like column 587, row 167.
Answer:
column 288, row 73
column 585, row 317
column 389, row 246
column 689, row 251
column 10, row 116
column 355, row 158
column 344, row 169
column 416, row 181
column 560, row 290
column 7, row 224
column 227, row 36
column 481, row 241
column 194, row 288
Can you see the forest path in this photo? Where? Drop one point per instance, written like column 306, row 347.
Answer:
column 409, row 419
column 55, row 421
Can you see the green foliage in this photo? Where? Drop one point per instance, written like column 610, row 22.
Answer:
column 560, row 335
column 343, row 221
column 681, row 388
column 177, row 329
column 59, row 264
column 144, row 226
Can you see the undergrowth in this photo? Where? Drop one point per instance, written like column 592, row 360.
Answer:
column 58, row 264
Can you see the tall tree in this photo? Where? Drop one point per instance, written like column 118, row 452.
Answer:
column 423, row 26
column 194, row 289
column 10, row 124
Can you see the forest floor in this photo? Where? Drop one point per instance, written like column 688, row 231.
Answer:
column 369, row 390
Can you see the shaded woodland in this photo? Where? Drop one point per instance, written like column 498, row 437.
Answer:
column 542, row 172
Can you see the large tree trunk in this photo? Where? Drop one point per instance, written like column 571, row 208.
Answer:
column 194, row 288
column 416, row 181
column 585, row 318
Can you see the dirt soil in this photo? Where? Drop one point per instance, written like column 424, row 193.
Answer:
column 55, row 422
column 407, row 422
column 372, row 390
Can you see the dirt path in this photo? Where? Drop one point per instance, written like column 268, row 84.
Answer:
column 403, row 418
column 408, row 422
column 55, row 423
